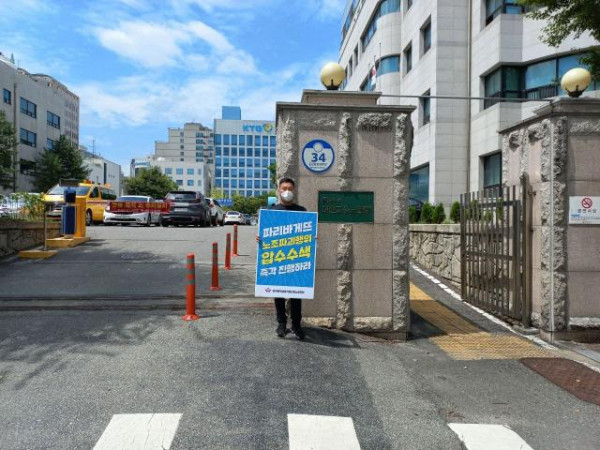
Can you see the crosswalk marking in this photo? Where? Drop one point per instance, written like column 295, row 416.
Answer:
column 488, row 437
column 139, row 431
column 308, row 432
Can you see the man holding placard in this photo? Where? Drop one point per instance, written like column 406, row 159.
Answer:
column 286, row 256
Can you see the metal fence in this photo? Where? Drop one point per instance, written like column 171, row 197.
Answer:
column 495, row 251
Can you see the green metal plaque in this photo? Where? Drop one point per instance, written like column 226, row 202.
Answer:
column 346, row 207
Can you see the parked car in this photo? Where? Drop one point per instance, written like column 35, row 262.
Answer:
column 125, row 217
column 247, row 219
column 217, row 215
column 186, row 208
column 97, row 198
column 234, row 217
column 418, row 204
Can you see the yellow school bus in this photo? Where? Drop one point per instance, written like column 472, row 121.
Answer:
column 97, row 198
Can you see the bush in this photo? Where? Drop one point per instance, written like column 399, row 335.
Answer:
column 426, row 213
column 412, row 214
column 439, row 215
column 455, row 212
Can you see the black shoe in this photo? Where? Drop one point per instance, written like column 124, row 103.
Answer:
column 281, row 330
column 299, row 332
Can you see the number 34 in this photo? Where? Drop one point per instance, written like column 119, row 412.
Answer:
column 316, row 157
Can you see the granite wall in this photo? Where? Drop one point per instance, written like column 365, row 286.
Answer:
column 16, row 236
column 437, row 249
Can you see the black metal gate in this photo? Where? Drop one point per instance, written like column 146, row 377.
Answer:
column 495, row 251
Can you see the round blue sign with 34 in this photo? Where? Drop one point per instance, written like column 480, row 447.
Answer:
column 318, row 156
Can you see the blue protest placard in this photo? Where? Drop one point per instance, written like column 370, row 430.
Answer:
column 285, row 264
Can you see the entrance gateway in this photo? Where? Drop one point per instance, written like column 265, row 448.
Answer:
column 350, row 159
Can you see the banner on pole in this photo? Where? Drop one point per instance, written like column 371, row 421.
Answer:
column 285, row 265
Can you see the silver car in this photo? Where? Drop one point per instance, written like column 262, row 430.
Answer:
column 125, row 217
column 217, row 215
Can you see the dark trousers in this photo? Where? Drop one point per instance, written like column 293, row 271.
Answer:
column 296, row 311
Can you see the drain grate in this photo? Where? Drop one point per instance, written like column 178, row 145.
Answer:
column 572, row 376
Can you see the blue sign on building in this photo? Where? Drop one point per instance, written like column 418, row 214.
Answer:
column 225, row 201
column 285, row 264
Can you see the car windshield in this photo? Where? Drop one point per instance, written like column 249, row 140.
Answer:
column 132, row 198
column 60, row 190
column 181, row 196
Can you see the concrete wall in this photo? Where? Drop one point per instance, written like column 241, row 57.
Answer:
column 437, row 249
column 559, row 150
column 16, row 236
column 362, row 269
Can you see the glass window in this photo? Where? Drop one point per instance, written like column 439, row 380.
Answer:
column 234, row 162
column 249, row 162
column 248, row 173
column 218, row 151
column 242, row 151
column 265, row 184
column 28, row 138
column 218, row 183
column 199, row 171
column 492, row 170
column 242, row 162
column 419, row 184
column 426, row 34
column 265, row 141
column 385, row 7
column 234, row 151
column 273, row 140
column 225, row 161
column 256, row 162
column 226, row 183
column 218, row 140
column 426, row 105
column 226, row 139
column 256, row 141
column 225, row 151
column 179, row 182
column 408, row 58
column 265, row 162
column 265, row 173
column 505, row 82
column 179, row 171
column 540, row 74
column 219, row 161
column 190, row 171
column 28, row 108
column 226, row 173
column 49, row 144
column 272, row 153
column 388, row 64
column 493, row 8
column 234, row 183
column 190, row 182
column 256, row 184
column 265, row 153
column 218, row 173
column 53, row 120
column 242, row 139
column 241, row 173
column 7, row 96
column 168, row 171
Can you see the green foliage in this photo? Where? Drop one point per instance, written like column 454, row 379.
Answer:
column 33, row 205
column 151, row 182
column 217, row 193
column 249, row 205
column 64, row 161
column 439, row 215
column 426, row 213
column 566, row 17
column 488, row 216
column 273, row 169
column 412, row 214
column 8, row 145
column 455, row 212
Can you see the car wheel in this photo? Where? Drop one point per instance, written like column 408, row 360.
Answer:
column 148, row 221
column 88, row 218
column 222, row 221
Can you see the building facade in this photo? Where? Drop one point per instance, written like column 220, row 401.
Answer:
column 424, row 51
column 192, row 143
column 244, row 149
column 189, row 176
column 41, row 109
column 102, row 170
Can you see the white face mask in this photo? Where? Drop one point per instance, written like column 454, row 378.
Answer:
column 287, row 196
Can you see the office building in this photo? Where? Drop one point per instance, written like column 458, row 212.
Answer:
column 189, row 176
column 243, row 151
column 454, row 48
column 41, row 109
column 231, row 113
column 102, row 170
column 192, row 143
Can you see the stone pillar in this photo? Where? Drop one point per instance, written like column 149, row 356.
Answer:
column 362, row 268
column 560, row 150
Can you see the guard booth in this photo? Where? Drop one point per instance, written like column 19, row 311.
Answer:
column 350, row 159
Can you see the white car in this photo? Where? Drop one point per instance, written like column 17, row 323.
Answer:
column 217, row 215
column 234, row 217
column 124, row 217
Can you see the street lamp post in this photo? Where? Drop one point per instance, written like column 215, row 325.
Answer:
column 332, row 76
column 575, row 81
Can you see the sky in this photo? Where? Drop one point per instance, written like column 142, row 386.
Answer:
column 141, row 66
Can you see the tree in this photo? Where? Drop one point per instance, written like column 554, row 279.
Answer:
column 62, row 161
column 151, row 182
column 566, row 17
column 273, row 169
column 8, row 145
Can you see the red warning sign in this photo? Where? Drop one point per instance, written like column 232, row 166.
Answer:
column 587, row 203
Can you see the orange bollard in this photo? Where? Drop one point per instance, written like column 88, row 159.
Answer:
column 228, row 252
column 215, row 268
column 235, row 240
column 190, row 307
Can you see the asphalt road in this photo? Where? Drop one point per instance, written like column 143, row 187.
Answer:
column 133, row 262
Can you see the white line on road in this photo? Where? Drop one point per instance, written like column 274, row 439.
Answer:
column 307, row 432
column 139, row 431
column 488, row 437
